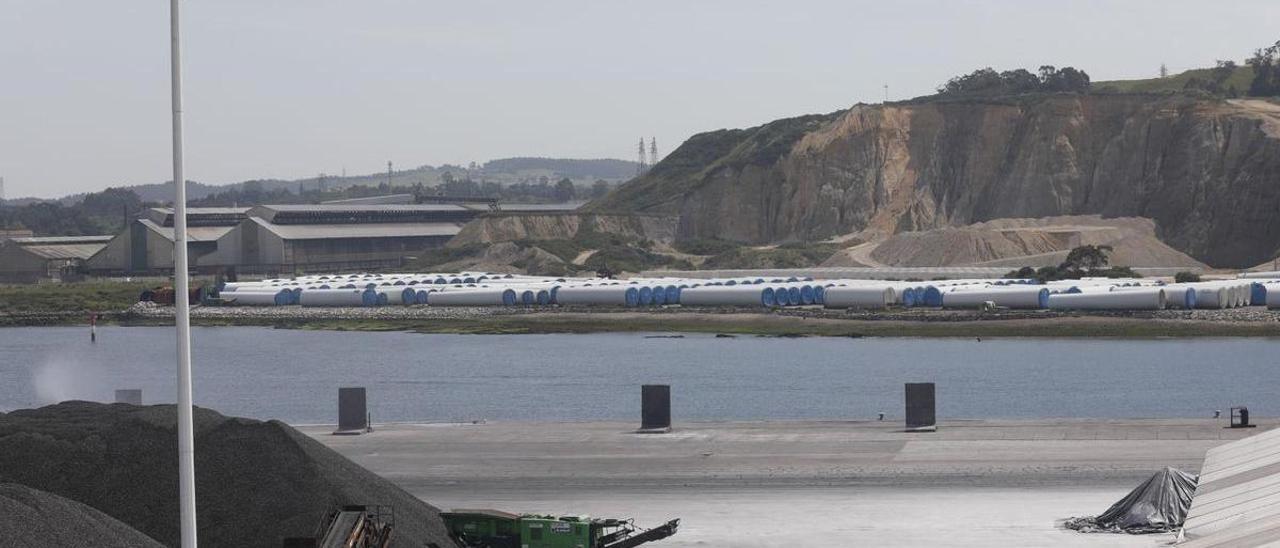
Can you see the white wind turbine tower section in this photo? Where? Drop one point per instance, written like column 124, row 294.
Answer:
column 186, row 436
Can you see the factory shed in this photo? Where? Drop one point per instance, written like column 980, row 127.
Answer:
column 146, row 246
column 32, row 259
column 331, row 237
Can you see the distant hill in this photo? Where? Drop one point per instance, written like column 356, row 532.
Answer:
column 573, row 169
column 1240, row 79
column 504, row 171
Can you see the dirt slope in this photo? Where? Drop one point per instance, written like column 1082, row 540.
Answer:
column 1020, row 242
column 30, row 517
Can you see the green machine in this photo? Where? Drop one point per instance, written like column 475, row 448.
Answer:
column 498, row 529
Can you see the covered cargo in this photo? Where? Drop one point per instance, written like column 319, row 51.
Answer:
column 858, row 296
column 480, row 296
column 616, row 295
column 1022, row 297
column 736, row 295
column 1136, row 299
column 339, row 297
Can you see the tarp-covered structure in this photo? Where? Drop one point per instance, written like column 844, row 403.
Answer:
column 1158, row 505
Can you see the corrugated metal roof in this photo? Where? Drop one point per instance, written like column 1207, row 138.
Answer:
column 205, row 210
column 55, row 240
column 570, row 206
column 375, row 230
column 364, row 207
column 194, row 233
column 64, row 251
column 373, row 200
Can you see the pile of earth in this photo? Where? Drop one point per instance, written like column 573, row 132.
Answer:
column 1021, row 242
column 30, row 517
column 257, row 483
column 504, row 257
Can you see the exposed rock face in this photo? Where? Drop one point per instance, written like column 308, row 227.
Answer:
column 562, row 226
column 1207, row 172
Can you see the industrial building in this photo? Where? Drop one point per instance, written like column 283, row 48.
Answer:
column 333, row 237
column 146, row 245
column 31, row 259
column 274, row 239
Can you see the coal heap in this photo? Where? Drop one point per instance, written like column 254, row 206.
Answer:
column 256, row 482
column 36, row 518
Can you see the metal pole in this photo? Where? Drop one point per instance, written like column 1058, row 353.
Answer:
column 186, row 437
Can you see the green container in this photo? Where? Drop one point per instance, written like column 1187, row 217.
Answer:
column 484, row 527
column 552, row 532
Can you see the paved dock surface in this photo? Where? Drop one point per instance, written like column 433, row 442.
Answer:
column 803, row 483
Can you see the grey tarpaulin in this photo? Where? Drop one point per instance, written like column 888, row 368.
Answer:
column 1160, row 504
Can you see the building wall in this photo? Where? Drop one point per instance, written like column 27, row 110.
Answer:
column 17, row 265
column 357, row 250
column 114, row 258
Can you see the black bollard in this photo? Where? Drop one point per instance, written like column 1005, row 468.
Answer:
column 921, row 407
column 353, row 411
column 655, row 408
column 131, row 396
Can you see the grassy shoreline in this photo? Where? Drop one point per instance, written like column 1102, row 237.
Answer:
column 733, row 323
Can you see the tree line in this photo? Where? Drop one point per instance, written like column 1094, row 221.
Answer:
column 988, row 82
column 97, row 213
column 1266, row 71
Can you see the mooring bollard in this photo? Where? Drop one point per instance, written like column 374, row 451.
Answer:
column 131, row 396
column 353, row 411
column 655, row 408
column 921, row 407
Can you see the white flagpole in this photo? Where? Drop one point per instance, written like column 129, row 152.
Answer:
column 186, row 436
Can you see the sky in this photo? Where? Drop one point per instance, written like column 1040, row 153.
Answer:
column 292, row 88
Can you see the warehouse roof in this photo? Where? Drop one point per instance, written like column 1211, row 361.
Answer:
column 61, row 240
column 200, row 216
column 64, row 251
column 323, row 214
column 194, row 233
column 376, row 230
column 363, row 207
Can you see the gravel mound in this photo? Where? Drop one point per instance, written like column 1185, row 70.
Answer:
column 29, row 517
column 256, row 482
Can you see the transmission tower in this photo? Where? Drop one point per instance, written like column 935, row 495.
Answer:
column 644, row 164
column 653, row 151
column 388, row 174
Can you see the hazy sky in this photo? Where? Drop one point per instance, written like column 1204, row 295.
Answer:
column 291, row 88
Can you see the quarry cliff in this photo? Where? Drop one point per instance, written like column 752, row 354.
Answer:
column 1205, row 171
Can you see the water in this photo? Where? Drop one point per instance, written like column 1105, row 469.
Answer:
column 294, row 375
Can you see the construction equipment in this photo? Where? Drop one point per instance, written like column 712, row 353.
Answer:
column 498, row 529
column 350, row 527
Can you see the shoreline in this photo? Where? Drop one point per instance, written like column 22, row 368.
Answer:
column 1240, row 322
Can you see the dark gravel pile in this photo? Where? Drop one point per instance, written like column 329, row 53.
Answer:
column 256, row 482
column 29, row 517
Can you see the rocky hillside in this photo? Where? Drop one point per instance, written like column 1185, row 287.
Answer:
column 1207, row 172
column 506, row 227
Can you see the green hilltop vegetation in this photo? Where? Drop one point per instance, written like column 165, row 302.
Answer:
column 1239, row 78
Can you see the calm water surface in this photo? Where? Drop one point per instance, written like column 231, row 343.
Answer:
column 294, row 375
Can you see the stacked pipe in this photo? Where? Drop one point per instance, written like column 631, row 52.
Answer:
column 496, row 289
